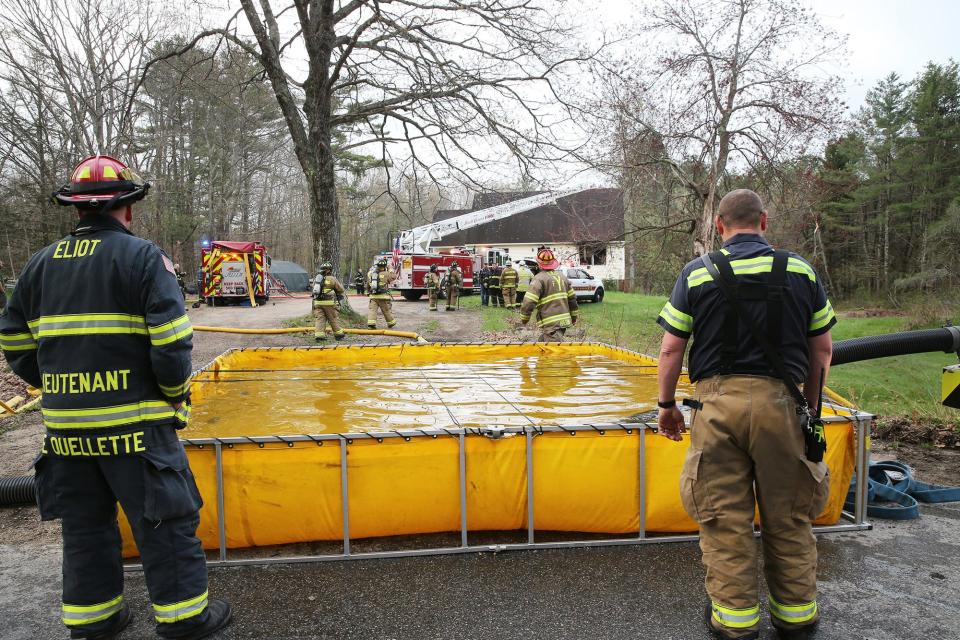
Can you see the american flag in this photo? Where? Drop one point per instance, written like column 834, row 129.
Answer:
column 396, row 254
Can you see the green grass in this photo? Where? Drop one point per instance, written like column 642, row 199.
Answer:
column 625, row 320
column 299, row 321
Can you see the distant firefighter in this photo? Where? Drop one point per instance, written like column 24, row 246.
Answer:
column 327, row 292
column 433, row 286
column 359, row 282
column 454, row 282
column 509, row 279
column 378, row 286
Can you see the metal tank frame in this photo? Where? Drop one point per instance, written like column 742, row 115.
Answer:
column 854, row 521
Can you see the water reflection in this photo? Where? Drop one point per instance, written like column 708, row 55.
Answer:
column 562, row 389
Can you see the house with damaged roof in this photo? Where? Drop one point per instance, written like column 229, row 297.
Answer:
column 584, row 228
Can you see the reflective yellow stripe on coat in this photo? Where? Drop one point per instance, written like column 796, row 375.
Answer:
column 96, row 417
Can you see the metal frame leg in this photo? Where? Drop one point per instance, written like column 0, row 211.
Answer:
column 221, row 513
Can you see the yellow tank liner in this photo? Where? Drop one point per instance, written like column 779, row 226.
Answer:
column 346, row 442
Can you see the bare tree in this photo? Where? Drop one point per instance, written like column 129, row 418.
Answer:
column 721, row 83
column 446, row 81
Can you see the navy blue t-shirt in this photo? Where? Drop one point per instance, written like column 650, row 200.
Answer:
column 697, row 308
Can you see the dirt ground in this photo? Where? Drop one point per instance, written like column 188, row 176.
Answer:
column 383, row 598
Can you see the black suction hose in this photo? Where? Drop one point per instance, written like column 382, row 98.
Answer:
column 16, row 490
column 945, row 339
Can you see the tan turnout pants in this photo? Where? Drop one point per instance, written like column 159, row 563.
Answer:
column 433, row 293
column 324, row 315
column 746, row 449
column 452, row 294
column 509, row 297
column 385, row 306
column 552, row 333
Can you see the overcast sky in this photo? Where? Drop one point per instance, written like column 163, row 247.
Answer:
column 884, row 36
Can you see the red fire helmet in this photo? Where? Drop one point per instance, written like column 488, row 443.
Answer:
column 547, row 259
column 101, row 181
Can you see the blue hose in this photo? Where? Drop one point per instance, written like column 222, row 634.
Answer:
column 893, row 494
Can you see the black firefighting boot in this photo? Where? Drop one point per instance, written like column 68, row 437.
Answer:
column 720, row 635
column 338, row 336
column 221, row 613
column 794, row 632
column 118, row 623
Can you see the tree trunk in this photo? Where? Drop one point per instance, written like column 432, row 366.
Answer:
column 324, row 209
column 706, row 231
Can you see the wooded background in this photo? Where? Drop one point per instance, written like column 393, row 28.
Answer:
column 696, row 99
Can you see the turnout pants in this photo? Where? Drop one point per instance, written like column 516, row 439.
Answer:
column 386, row 308
column 746, row 449
column 453, row 293
column 496, row 297
column 433, row 294
column 160, row 499
column 509, row 297
column 552, row 333
column 325, row 314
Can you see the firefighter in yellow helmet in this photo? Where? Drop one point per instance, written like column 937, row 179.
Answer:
column 552, row 297
column 327, row 293
column 378, row 287
column 509, row 278
column 97, row 322
column 454, row 282
column 432, row 282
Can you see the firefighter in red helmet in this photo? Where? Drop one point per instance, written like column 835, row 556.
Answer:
column 97, row 322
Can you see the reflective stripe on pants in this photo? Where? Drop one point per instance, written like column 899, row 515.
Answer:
column 76, row 614
column 177, row 611
column 736, row 618
column 793, row 613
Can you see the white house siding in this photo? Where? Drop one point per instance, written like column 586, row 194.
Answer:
column 569, row 255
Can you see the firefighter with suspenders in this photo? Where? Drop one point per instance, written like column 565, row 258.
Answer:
column 97, row 323
column 433, row 286
column 378, row 289
column 327, row 291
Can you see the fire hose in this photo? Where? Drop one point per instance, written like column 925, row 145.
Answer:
column 366, row 332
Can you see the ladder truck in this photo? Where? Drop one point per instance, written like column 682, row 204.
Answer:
column 412, row 257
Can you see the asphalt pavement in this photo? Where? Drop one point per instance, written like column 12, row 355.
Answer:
column 899, row 581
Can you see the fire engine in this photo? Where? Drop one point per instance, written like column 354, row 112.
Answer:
column 233, row 271
column 412, row 256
